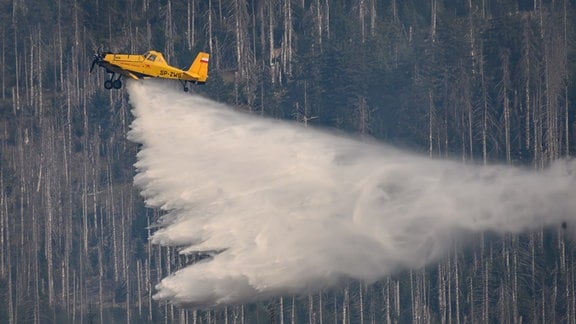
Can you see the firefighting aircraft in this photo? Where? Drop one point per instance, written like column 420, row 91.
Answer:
column 150, row 64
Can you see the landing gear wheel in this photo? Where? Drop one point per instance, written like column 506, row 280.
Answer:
column 184, row 85
column 117, row 84
column 108, row 84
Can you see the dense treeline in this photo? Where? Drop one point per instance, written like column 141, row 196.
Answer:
column 482, row 80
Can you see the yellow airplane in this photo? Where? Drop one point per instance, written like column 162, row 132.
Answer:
column 150, row 64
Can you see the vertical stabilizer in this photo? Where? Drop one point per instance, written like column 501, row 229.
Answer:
column 199, row 68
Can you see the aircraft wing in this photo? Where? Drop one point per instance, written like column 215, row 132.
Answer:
column 119, row 70
column 129, row 74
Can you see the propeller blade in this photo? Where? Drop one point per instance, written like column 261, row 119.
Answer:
column 97, row 59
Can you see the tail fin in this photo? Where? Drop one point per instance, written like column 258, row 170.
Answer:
column 199, row 68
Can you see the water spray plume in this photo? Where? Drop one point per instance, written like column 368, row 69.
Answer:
column 287, row 210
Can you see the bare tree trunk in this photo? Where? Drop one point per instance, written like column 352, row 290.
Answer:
column 293, row 312
column 373, row 15
column 319, row 23
column 485, row 110
column 387, row 308
column 3, row 63
column 130, row 32
column 361, row 300
column 470, row 120
column 515, row 248
column 320, row 307
column 67, row 153
column 149, row 287
column 140, row 279
column 128, row 294
column 239, row 32
column 361, row 17
column 456, row 286
column 434, row 21
column 504, row 58
column 124, row 229
column 191, row 23
column 114, row 235
column 281, row 301
column 413, row 298
column 311, row 317
column 346, row 306
column 431, row 123
column 566, row 74
column 271, row 53
column 363, row 115
column 327, row 18
column 86, row 163
column 3, row 224
column 169, row 32
column 11, row 308
column 127, row 217
column 101, row 273
column 47, row 148
column 397, row 299
column 16, row 89
column 537, row 126
column 60, row 46
column 39, row 75
column 572, row 288
column 287, row 47
column 532, row 245
column 471, row 299
column 6, row 247
column 210, row 43
column 486, row 288
column 526, row 71
column 27, row 97
column 472, row 36
column 75, row 55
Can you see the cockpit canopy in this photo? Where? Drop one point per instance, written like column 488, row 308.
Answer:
column 154, row 56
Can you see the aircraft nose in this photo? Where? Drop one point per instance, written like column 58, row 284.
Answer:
column 97, row 59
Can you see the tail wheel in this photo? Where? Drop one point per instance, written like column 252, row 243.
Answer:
column 117, row 84
column 108, row 84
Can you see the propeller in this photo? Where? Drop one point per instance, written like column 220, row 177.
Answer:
column 97, row 59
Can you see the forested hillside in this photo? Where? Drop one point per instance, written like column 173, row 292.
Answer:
column 481, row 81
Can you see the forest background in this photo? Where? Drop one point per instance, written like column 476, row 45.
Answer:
column 482, row 81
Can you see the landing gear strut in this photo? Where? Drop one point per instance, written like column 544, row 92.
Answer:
column 184, row 85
